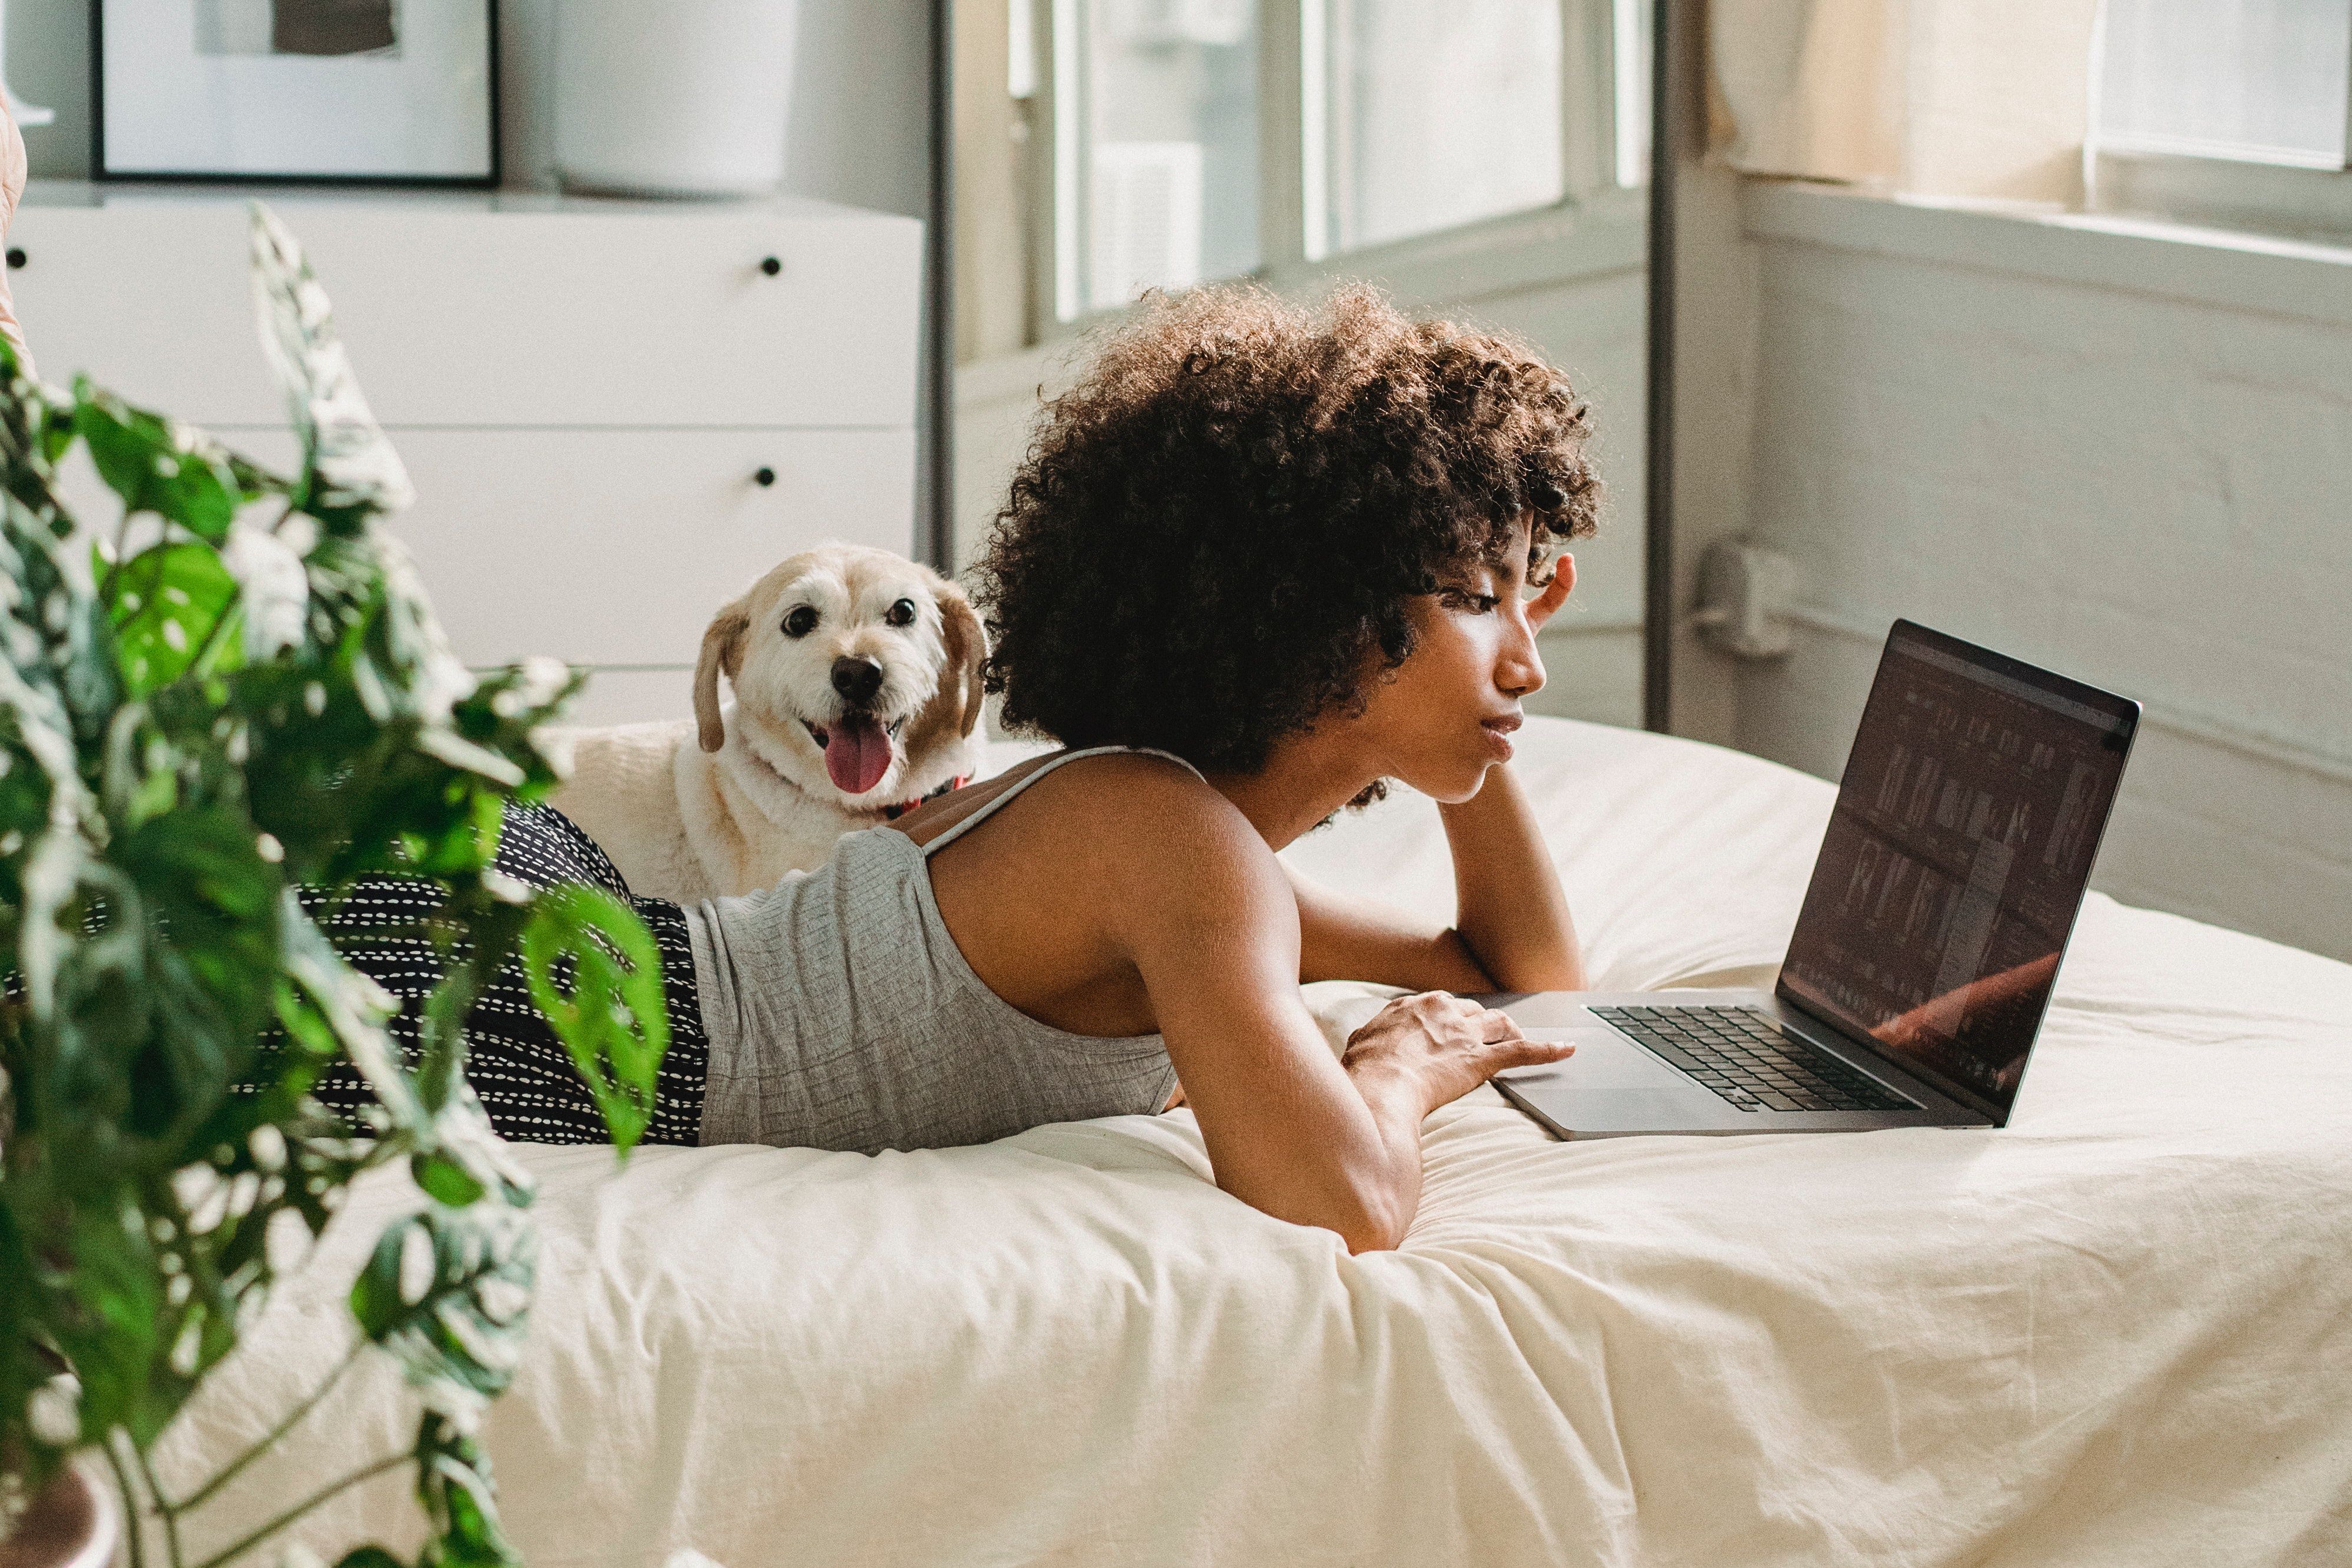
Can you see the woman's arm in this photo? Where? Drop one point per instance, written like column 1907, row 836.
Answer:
column 1509, row 908
column 1290, row 1130
column 1511, row 928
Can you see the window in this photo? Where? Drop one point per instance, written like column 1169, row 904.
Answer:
column 1420, row 117
column 1156, row 173
column 2258, row 80
column 1191, row 140
column 2234, row 114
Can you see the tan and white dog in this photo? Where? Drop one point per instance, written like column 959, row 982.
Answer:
column 857, row 678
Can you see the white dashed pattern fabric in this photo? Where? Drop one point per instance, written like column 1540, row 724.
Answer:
column 521, row 1071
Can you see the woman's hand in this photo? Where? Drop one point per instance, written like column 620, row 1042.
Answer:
column 1435, row 1047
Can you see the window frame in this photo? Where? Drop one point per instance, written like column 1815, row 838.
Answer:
column 2220, row 191
column 1598, row 225
column 2276, row 192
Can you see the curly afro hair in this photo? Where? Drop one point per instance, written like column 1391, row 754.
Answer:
column 1215, row 536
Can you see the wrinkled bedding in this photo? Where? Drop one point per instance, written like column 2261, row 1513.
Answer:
column 2114, row 1333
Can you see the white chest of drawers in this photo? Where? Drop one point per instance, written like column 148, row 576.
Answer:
column 617, row 414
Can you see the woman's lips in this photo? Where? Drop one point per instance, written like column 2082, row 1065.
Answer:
column 1498, row 734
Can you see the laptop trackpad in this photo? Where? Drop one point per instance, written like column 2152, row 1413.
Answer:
column 1605, row 1060
column 1617, row 1087
column 1613, row 1085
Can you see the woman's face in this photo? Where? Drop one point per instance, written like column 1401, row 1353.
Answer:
column 1446, row 714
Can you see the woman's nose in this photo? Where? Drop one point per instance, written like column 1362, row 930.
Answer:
column 1521, row 672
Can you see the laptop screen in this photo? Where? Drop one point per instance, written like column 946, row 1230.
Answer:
column 1955, row 858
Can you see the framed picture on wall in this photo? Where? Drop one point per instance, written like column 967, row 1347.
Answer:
column 336, row 91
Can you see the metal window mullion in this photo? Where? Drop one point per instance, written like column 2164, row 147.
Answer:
column 2347, row 110
column 1281, row 223
column 1630, row 22
column 1061, row 167
column 1317, row 165
column 1576, row 150
column 1588, row 96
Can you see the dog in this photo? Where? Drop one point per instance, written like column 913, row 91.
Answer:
column 856, row 680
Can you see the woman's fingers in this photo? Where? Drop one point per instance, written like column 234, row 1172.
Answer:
column 1535, row 1052
column 1508, row 1047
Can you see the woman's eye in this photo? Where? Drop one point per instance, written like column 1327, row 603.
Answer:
column 901, row 613
column 1477, row 603
column 800, row 622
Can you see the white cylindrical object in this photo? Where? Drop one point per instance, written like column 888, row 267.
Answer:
column 687, row 97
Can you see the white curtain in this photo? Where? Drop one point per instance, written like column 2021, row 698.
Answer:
column 1948, row 98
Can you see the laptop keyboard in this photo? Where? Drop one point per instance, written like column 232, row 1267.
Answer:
column 1743, row 1056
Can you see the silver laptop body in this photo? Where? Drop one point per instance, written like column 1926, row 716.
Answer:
column 1947, row 883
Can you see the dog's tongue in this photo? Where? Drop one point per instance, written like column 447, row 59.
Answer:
column 856, row 754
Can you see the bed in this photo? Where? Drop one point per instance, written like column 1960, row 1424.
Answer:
column 2116, row 1332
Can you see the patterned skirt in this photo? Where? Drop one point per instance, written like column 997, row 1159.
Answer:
column 514, row 1060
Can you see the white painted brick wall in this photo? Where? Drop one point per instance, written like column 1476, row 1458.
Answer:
column 2087, row 462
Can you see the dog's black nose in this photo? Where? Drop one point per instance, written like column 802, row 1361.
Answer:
column 856, row 679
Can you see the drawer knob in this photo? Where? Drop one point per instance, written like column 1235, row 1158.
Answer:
column 16, row 258
column 764, row 476
column 768, row 264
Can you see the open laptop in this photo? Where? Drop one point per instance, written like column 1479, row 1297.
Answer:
column 1949, row 880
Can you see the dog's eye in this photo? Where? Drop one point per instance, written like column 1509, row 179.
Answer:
column 901, row 613
column 800, row 622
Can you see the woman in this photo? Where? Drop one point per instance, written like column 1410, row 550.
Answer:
column 1258, row 561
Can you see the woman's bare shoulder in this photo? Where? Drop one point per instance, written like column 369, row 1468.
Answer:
column 1138, row 840
column 1140, row 802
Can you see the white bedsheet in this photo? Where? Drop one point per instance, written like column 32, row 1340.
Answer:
column 2116, row 1332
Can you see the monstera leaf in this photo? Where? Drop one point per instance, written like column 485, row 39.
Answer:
column 452, row 1482
column 447, row 1293
column 159, row 466
column 350, row 471
column 610, row 1013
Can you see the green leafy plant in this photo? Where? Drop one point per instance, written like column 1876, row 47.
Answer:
column 242, row 706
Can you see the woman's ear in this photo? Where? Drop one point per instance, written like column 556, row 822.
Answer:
column 1544, row 605
column 722, row 648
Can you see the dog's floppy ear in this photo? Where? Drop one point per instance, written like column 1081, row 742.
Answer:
column 967, row 644
column 722, row 648
column 954, row 711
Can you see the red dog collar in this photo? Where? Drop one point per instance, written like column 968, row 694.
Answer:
column 892, row 813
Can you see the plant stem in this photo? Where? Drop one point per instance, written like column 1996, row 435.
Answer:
column 162, row 1504
column 269, row 1441
column 300, row 1509
column 130, row 1521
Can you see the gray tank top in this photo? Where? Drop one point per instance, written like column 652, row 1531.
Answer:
column 842, row 1015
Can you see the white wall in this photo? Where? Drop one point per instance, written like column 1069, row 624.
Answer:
column 2102, row 448
column 1577, row 294
column 857, row 132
